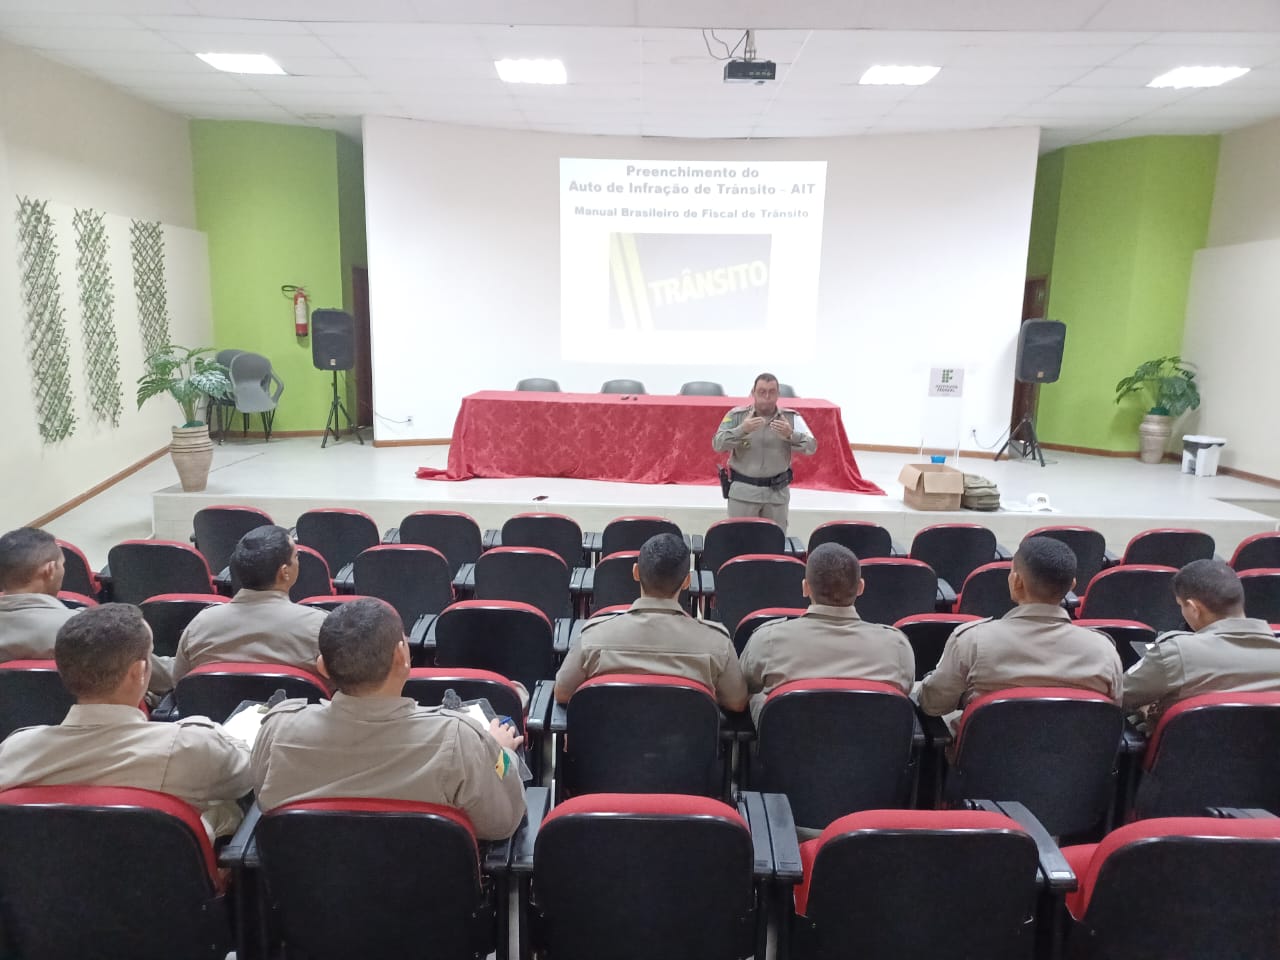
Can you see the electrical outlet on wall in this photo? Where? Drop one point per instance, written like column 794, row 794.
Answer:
column 408, row 421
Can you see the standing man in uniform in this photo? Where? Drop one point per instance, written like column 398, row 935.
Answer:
column 656, row 635
column 369, row 741
column 1226, row 652
column 760, row 438
column 830, row 640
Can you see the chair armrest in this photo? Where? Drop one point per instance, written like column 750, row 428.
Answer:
column 1003, row 552
column 896, row 549
column 736, row 725
column 702, row 583
column 751, row 807
column 496, row 855
column 795, row 547
column 918, row 739
column 1109, row 559
column 537, row 801
column 222, row 582
column 490, row 539
column 233, row 853
column 423, row 635
column 559, row 722
column 344, row 581
column 593, row 543
column 1070, row 602
column 1054, row 869
column 787, row 867
column 936, row 732
column 1133, row 742
column 392, row 535
column 1241, row 813
column 696, row 543
column 582, row 580
column 464, row 581
column 166, row 711
column 541, row 702
column 946, row 601
column 567, row 630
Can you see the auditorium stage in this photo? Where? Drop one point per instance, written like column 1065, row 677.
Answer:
column 1117, row 496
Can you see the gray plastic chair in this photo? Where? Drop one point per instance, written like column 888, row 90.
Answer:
column 701, row 388
column 218, row 407
column 539, row 384
column 786, row 390
column 257, row 389
column 622, row 386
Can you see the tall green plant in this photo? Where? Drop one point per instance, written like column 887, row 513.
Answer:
column 1169, row 383
column 187, row 375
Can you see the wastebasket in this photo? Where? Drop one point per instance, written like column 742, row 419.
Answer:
column 1200, row 454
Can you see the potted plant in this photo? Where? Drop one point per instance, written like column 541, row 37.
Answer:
column 190, row 377
column 1169, row 385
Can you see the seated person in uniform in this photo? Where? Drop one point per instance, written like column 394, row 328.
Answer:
column 1033, row 645
column 830, row 640
column 104, row 659
column 260, row 624
column 1223, row 651
column 369, row 741
column 31, row 567
column 656, row 636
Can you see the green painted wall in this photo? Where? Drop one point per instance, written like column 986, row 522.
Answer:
column 1130, row 215
column 271, row 199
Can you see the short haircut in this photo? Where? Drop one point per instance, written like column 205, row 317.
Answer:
column 833, row 573
column 22, row 553
column 1048, row 566
column 664, row 563
column 766, row 377
column 259, row 556
column 358, row 641
column 1211, row 582
column 95, row 648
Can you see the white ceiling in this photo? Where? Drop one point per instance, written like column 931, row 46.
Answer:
column 1076, row 68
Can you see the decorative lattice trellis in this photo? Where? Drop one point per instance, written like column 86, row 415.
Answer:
column 97, row 310
column 48, row 353
column 148, row 283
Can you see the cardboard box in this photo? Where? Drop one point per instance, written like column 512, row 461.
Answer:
column 931, row 486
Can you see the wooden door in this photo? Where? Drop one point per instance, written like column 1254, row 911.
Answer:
column 364, row 350
column 1035, row 302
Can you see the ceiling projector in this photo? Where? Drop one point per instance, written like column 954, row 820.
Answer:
column 750, row 71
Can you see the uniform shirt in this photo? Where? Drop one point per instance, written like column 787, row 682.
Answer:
column 106, row 745
column 826, row 642
column 257, row 626
column 1232, row 654
column 762, row 453
column 1033, row 645
column 391, row 748
column 656, row 637
column 29, row 624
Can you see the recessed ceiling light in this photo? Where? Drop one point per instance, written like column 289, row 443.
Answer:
column 1183, row 77
column 904, row 76
column 531, row 71
column 242, row 63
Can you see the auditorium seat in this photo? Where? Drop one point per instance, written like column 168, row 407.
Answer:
column 955, row 550
column 214, row 690
column 75, row 601
column 1262, row 550
column 1178, row 887
column 864, row 538
column 1089, row 546
column 751, row 581
column 513, row 639
column 622, row 386
column 1261, row 593
column 1213, row 750
column 454, row 534
column 736, row 536
column 611, row 582
column 217, row 530
column 986, row 591
column 314, row 576
column 31, row 693
column 412, row 578
column 1142, row 592
column 109, row 872
column 865, row 760
column 168, row 615
column 896, row 587
column 1124, row 634
column 927, row 633
column 529, row 575
column 758, row 618
column 139, row 569
column 700, row 388
column 1169, row 547
column 77, row 575
column 630, row 533
column 538, row 385
column 550, row 531
column 338, row 534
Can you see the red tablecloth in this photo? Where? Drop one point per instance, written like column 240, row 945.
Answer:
column 601, row 436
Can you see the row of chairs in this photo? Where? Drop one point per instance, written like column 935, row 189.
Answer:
column 694, row 388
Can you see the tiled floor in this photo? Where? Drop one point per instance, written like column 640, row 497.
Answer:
column 287, row 476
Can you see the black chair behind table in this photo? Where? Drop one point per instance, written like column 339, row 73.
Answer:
column 1262, row 593
column 456, row 535
column 78, row 576
column 410, row 882
column 31, row 693
column 169, row 614
column 213, row 690
column 633, row 733
column 870, row 765
column 868, row 875
column 622, row 386
column 986, row 591
column 752, row 581
column 927, row 633
column 701, row 388
column 1051, row 748
column 1089, row 546
column 217, row 530
column 1262, row 550
column 412, row 578
column 613, row 581
column 538, row 385
column 670, row 876
column 147, row 568
column 630, row 533
column 108, row 872
column 954, row 550
column 758, row 618
column 1169, row 547
column 736, row 536
column 1133, row 592
column 1179, row 887
column 338, row 534
column 1124, row 634
column 1213, row 750
column 864, row 538
column 896, row 587
column 532, row 575
column 507, row 637
column 550, row 531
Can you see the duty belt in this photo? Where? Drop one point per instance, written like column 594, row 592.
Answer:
column 781, row 480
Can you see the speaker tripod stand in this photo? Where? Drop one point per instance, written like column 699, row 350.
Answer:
column 332, row 425
column 1025, row 434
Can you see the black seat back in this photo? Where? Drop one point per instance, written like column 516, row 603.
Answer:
column 526, row 574
column 550, row 531
column 750, row 582
column 1169, row 547
column 1134, row 592
column 338, row 534
column 954, row 550
column 170, row 614
column 927, row 633
column 896, row 587
column 1089, row 546
column 218, row 529
column 146, row 568
column 737, row 536
column 864, row 538
column 986, row 591
column 1262, row 594
column 1262, row 550
column 456, row 535
column 31, row 693
column 510, row 638
column 630, row 533
column 213, row 690
column 412, row 578
column 614, row 583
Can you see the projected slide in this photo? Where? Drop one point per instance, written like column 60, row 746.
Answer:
column 689, row 262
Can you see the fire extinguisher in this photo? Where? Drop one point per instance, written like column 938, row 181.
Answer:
column 300, row 308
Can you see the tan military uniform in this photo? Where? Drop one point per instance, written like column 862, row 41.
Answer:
column 391, row 748
column 656, row 636
column 107, row 745
column 257, row 626
column 1231, row 654
column 1033, row 645
column 29, row 624
column 826, row 642
column 762, row 453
